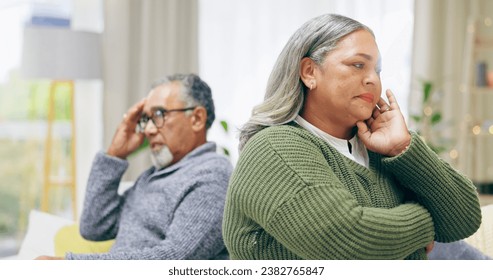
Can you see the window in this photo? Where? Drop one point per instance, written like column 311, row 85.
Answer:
column 23, row 114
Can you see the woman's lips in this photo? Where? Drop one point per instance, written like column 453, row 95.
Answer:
column 368, row 97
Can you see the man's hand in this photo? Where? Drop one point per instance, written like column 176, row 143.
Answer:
column 49, row 258
column 126, row 139
column 385, row 132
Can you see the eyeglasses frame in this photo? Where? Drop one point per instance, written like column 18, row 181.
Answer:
column 164, row 112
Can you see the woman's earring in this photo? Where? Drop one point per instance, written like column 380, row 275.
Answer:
column 312, row 84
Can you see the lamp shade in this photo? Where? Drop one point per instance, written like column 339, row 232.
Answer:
column 60, row 54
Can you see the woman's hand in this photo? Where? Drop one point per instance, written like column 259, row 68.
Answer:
column 126, row 139
column 385, row 132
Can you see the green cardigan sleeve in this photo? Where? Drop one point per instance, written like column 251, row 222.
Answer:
column 285, row 184
column 450, row 197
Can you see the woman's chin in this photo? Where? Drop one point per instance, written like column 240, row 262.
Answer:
column 364, row 117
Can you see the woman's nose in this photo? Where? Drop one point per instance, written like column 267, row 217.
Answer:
column 372, row 77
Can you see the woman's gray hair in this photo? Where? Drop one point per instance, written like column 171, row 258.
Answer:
column 195, row 92
column 285, row 92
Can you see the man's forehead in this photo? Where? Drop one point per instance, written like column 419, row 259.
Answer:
column 164, row 96
column 171, row 88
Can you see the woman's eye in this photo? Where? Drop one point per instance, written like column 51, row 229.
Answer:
column 359, row 65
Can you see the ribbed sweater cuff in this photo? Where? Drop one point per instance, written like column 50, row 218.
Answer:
column 117, row 165
column 417, row 163
column 107, row 168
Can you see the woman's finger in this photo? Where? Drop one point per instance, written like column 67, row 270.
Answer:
column 392, row 100
column 376, row 113
column 382, row 105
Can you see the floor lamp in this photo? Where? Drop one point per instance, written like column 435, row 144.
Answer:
column 61, row 55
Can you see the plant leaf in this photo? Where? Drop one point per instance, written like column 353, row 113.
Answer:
column 427, row 86
column 224, row 124
column 416, row 118
column 226, row 151
column 436, row 118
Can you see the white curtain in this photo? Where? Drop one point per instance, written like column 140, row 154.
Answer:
column 240, row 41
column 438, row 57
column 438, row 47
column 144, row 41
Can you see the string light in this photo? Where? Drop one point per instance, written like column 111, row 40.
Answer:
column 487, row 21
column 453, row 154
column 428, row 111
column 476, row 130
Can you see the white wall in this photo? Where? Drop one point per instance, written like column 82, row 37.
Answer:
column 89, row 131
column 87, row 15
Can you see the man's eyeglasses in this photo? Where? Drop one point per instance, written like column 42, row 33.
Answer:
column 158, row 117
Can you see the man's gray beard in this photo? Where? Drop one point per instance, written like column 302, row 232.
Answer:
column 162, row 157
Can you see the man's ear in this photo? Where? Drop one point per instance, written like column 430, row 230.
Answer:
column 199, row 118
column 307, row 72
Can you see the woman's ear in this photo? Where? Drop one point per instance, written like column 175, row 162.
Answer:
column 307, row 72
column 199, row 118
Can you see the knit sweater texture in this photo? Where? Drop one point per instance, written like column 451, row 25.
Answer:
column 293, row 196
column 169, row 214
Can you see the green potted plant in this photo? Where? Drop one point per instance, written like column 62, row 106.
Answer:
column 429, row 122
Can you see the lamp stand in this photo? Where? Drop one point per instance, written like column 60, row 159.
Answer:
column 48, row 180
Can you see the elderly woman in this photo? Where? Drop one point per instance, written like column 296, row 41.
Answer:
column 329, row 170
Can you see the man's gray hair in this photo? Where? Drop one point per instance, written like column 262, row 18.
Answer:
column 195, row 92
column 285, row 92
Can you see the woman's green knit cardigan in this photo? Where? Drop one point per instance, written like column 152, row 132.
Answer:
column 293, row 196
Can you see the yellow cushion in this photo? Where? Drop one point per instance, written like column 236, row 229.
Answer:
column 68, row 239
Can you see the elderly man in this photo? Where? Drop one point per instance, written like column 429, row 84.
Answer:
column 175, row 209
